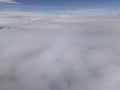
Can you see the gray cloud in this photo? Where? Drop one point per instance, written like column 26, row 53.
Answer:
column 50, row 52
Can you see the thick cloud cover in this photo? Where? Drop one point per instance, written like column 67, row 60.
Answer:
column 52, row 52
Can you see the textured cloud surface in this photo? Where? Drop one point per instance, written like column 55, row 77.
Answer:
column 52, row 52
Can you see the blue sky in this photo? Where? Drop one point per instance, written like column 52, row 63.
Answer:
column 72, row 4
column 59, row 5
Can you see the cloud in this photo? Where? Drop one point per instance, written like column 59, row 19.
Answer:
column 89, row 12
column 57, row 52
column 7, row 1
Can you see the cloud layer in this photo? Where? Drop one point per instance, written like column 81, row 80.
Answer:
column 59, row 52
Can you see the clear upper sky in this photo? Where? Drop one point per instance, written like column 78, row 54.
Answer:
column 51, row 5
column 72, row 4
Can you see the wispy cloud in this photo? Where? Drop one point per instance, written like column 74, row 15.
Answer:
column 7, row 1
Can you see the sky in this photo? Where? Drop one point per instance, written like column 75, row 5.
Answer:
column 59, row 52
column 72, row 3
column 60, row 5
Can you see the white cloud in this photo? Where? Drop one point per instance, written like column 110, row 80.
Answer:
column 57, row 52
column 7, row 1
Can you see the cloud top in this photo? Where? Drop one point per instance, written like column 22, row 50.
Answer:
column 59, row 52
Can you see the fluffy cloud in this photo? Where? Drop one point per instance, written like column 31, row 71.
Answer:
column 57, row 52
column 7, row 1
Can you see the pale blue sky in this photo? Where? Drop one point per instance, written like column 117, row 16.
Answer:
column 59, row 6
